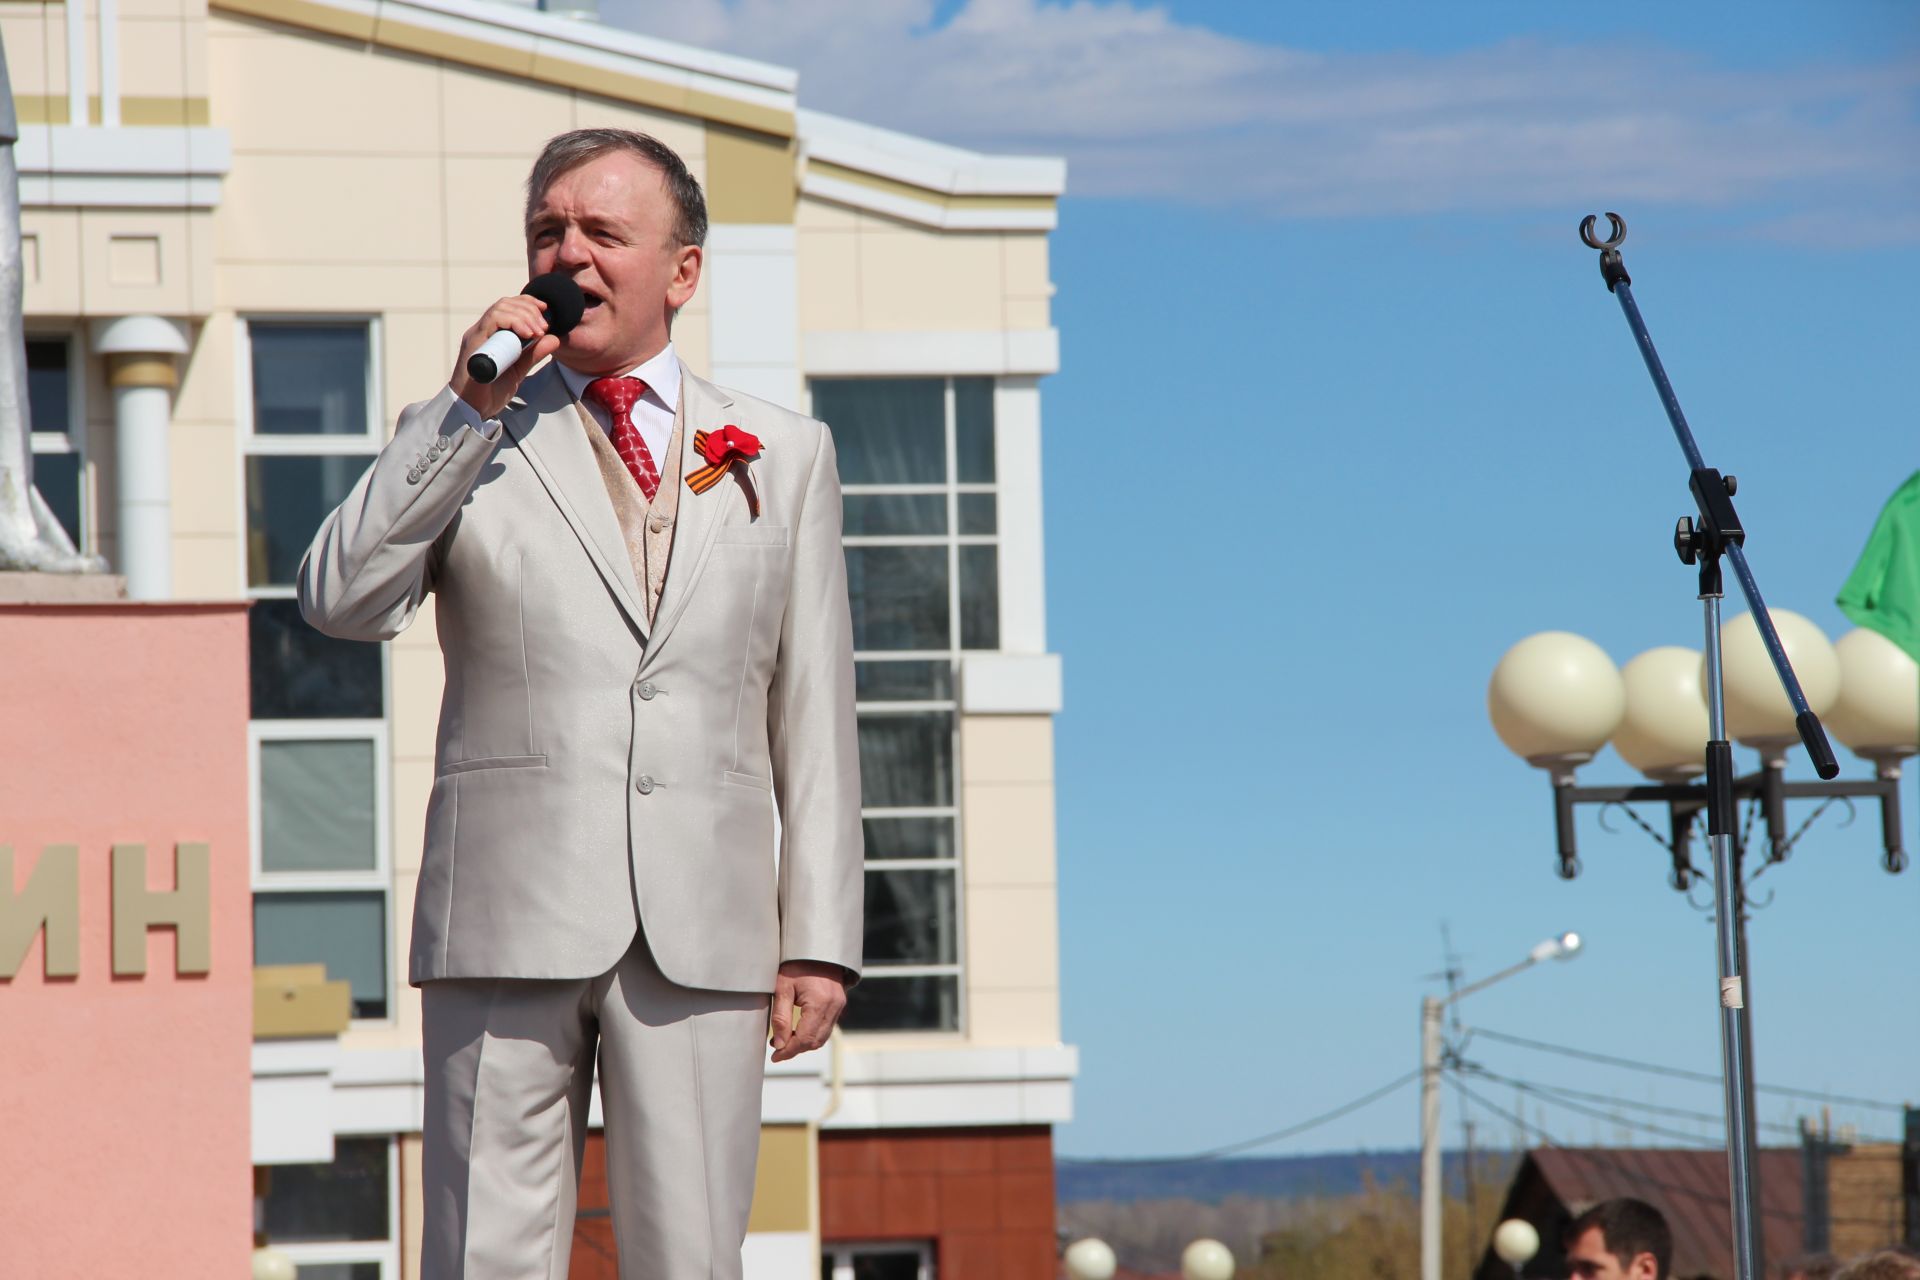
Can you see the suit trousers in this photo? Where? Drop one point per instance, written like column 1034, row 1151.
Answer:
column 509, row 1070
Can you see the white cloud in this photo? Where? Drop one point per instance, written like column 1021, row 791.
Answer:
column 1143, row 106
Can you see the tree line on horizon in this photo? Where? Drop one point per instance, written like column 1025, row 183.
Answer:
column 1372, row 1234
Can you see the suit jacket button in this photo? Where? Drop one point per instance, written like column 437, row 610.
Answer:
column 647, row 690
column 644, row 785
column 413, row 476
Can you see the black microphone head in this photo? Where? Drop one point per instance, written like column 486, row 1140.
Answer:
column 565, row 303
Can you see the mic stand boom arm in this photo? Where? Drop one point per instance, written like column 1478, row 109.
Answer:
column 1719, row 533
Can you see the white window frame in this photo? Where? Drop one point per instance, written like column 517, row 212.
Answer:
column 74, row 439
column 385, row 1252
column 378, row 731
column 952, row 540
column 375, row 434
column 843, row 1255
column 380, row 878
column 259, row 731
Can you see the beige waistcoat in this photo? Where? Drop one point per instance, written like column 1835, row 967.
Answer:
column 646, row 527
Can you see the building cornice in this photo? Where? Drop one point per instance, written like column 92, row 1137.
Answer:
column 929, row 183
column 894, row 174
column 383, row 1090
column 563, row 52
column 130, row 167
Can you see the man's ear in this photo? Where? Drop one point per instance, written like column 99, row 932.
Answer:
column 688, row 259
column 1643, row 1267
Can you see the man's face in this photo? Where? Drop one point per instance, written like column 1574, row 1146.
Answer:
column 1590, row 1259
column 609, row 224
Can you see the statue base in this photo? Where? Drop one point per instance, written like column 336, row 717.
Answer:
column 61, row 588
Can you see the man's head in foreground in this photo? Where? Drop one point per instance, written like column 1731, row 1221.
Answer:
column 1622, row 1239
column 619, row 212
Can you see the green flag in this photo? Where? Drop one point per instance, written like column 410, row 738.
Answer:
column 1883, row 592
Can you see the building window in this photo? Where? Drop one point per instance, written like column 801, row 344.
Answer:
column 922, row 545
column 896, row 1261
column 58, row 427
column 336, row 1221
column 322, row 869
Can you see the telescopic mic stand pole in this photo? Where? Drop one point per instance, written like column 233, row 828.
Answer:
column 1717, row 534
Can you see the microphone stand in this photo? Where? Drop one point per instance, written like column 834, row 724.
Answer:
column 1717, row 534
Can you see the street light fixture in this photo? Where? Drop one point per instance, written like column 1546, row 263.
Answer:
column 1556, row 699
column 1091, row 1259
column 1206, row 1260
column 1563, row 947
column 1516, row 1241
column 1549, row 694
column 271, row 1264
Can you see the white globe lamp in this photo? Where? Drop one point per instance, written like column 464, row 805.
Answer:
column 1758, row 713
column 1664, row 731
column 271, row 1264
column 1878, row 710
column 1555, row 699
column 1206, row 1260
column 1091, row 1260
column 1516, row 1242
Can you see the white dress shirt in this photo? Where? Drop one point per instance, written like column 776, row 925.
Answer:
column 652, row 413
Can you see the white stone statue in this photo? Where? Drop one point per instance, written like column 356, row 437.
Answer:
column 30, row 537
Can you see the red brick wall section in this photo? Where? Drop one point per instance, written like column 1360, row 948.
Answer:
column 593, row 1255
column 984, row 1196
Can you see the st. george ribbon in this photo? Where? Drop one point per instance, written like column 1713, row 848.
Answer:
column 565, row 305
column 1719, row 533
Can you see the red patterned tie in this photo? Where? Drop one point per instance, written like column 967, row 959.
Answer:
column 618, row 396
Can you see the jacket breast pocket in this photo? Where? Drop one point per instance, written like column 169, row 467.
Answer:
column 492, row 762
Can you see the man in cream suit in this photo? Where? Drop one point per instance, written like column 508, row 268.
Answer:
column 640, row 670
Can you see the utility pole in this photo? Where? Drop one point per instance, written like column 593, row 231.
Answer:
column 1564, row 947
column 1430, row 1139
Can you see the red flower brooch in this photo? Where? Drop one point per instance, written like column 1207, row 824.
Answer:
column 722, row 449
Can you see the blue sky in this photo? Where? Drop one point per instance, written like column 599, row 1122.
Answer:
column 1344, row 412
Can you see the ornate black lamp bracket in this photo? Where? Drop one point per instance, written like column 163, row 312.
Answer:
column 1766, row 793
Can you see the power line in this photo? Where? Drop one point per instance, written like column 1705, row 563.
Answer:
column 1681, row 1073
column 1789, row 1130
column 1607, row 1099
column 1260, row 1141
column 1562, row 1096
column 1644, row 1126
column 1600, row 1155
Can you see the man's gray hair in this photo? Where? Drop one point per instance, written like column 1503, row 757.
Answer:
column 579, row 146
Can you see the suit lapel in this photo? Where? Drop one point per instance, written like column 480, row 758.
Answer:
column 702, row 408
column 550, row 439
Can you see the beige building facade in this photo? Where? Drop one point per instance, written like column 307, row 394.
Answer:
column 254, row 229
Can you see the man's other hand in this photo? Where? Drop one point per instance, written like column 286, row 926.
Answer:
column 808, row 998
column 526, row 316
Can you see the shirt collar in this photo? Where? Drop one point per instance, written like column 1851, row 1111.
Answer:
column 661, row 374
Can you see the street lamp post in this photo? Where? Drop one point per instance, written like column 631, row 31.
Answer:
column 1091, row 1259
column 1556, row 699
column 1564, row 947
column 1516, row 1241
column 1206, row 1260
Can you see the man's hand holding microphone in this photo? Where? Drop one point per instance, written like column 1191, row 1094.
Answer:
column 513, row 336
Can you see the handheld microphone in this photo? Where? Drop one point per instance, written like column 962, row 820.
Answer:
column 565, row 305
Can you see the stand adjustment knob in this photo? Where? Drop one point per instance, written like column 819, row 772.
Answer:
column 1684, row 543
column 1733, row 485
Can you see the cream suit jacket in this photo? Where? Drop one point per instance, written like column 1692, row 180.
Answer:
column 594, row 774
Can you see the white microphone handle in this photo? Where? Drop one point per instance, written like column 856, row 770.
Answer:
column 503, row 348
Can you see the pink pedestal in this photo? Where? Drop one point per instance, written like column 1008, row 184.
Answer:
column 124, row 1100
